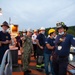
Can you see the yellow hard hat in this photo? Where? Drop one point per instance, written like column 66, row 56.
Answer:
column 51, row 31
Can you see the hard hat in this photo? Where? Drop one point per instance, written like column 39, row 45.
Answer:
column 30, row 30
column 25, row 30
column 61, row 24
column 42, row 28
column 35, row 30
column 51, row 31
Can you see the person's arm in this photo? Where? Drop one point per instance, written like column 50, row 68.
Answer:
column 21, row 50
column 9, row 41
column 49, row 46
column 47, row 42
column 6, row 42
column 37, row 41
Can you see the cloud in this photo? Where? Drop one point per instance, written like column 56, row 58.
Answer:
column 37, row 13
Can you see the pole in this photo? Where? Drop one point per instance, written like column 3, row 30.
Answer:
column 9, row 20
column 10, row 24
column 0, row 11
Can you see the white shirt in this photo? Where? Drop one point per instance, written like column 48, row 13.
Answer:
column 34, row 36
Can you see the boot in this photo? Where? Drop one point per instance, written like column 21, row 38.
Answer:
column 26, row 73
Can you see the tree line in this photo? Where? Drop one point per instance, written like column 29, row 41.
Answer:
column 71, row 30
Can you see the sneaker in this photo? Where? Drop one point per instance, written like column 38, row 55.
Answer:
column 42, row 67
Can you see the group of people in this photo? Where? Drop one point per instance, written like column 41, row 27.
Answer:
column 53, row 50
column 57, row 49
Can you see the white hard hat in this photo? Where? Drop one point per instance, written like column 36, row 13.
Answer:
column 30, row 30
column 25, row 30
column 42, row 28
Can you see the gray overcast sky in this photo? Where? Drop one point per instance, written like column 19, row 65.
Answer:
column 38, row 13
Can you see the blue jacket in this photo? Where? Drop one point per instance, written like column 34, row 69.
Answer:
column 63, row 48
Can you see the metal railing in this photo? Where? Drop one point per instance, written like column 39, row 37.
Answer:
column 6, row 68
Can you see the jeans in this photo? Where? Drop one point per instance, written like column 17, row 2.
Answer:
column 47, row 61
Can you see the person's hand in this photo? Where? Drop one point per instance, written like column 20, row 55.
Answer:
column 5, row 42
column 41, row 47
column 23, row 38
column 61, row 40
column 53, row 47
column 21, row 50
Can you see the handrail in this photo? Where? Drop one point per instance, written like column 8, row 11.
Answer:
column 6, row 68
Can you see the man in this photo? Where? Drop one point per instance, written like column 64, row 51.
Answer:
column 63, row 43
column 5, row 39
column 27, row 49
column 50, row 46
column 24, row 32
column 40, row 48
column 34, row 36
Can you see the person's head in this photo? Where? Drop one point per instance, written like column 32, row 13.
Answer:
column 29, row 32
column 24, row 32
column 18, row 34
column 5, row 26
column 52, row 32
column 61, row 28
column 36, row 32
column 42, row 30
